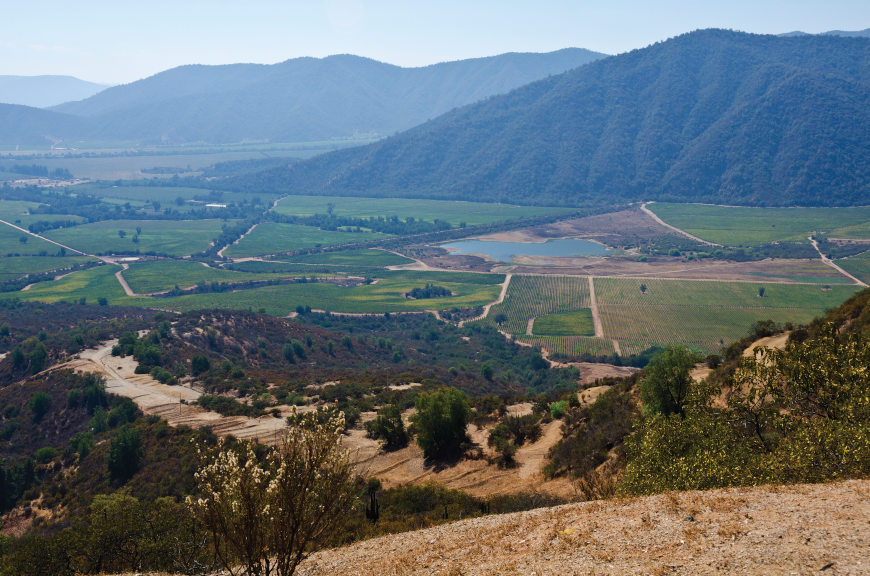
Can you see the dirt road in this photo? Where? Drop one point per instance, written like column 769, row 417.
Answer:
column 652, row 215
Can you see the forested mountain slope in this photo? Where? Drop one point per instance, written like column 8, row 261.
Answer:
column 709, row 116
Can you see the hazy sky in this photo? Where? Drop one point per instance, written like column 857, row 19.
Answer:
column 116, row 41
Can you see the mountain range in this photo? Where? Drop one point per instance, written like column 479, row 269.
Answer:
column 302, row 99
column 709, row 116
column 45, row 91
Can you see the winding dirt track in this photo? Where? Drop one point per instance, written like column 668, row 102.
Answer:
column 172, row 403
column 833, row 265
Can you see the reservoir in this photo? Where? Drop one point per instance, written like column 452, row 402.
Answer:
column 505, row 251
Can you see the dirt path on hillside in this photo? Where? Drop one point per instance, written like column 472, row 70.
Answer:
column 175, row 404
column 172, row 403
column 803, row 529
column 833, row 265
column 652, row 215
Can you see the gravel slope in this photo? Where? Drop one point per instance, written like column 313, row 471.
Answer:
column 803, row 529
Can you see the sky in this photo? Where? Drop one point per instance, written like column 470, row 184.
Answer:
column 120, row 41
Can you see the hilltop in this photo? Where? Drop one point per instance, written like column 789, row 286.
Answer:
column 710, row 116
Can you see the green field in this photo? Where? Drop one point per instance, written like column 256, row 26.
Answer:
column 12, row 210
column 535, row 296
column 575, row 323
column 297, row 269
column 739, row 226
column 560, row 306
column 18, row 266
column 572, row 345
column 387, row 295
column 366, row 257
column 858, row 266
column 14, row 242
column 276, row 238
column 703, row 314
column 453, row 212
column 18, row 212
column 174, row 197
column 92, row 284
column 171, row 237
column 159, row 275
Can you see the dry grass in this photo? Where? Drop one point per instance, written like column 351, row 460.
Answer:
column 767, row 530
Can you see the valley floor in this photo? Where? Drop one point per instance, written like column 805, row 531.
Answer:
column 798, row 529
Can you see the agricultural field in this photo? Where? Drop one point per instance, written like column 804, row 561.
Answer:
column 386, row 295
column 533, row 296
column 560, row 306
column 302, row 269
column 176, row 197
column 169, row 237
column 17, row 243
column 741, row 226
column 12, row 210
column 159, row 275
column 453, row 212
column 571, row 345
column 858, row 266
column 703, row 314
column 18, row 266
column 365, row 257
column 91, row 284
column 574, row 323
column 277, row 238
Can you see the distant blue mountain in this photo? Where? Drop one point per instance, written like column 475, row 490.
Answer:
column 45, row 91
column 302, row 99
column 844, row 33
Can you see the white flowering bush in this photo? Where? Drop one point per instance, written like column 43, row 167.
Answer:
column 266, row 514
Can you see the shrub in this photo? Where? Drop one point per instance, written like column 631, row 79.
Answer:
column 45, row 454
column 558, row 409
column 389, row 427
column 125, row 454
column 270, row 515
column 40, row 403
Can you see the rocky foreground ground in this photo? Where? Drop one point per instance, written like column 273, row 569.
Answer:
column 804, row 529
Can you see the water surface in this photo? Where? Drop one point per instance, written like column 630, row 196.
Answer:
column 506, row 251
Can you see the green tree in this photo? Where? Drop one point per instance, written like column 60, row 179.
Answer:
column 199, row 364
column 667, row 380
column 389, row 427
column 38, row 357
column 441, row 419
column 125, row 454
column 40, row 403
